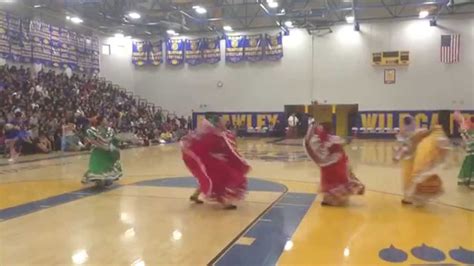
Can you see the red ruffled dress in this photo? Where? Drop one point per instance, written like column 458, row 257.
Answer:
column 211, row 156
column 337, row 180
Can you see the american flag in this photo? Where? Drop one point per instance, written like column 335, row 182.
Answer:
column 450, row 46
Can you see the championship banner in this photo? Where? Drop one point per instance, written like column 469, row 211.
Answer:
column 81, row 53
column 65, row 43
column 253, row 48
column 155, row 56
column 174, row 51
column 4, row 45
column 246, row 119
column 211, row 50
column 139, row 53
column 55, row 46
column 24, row 41
column 72, row 50
column 95, row 54
column 40, row 33
column 193, row 51
column 273, row 49
column 14, row 37
column 234, row 49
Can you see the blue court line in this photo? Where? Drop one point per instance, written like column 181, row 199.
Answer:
column 59, row 155
column 271, row 232
column 34, row 206
column 254, row 184
column 56, row 156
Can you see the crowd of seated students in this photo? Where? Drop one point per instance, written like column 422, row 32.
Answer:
column 48, row 111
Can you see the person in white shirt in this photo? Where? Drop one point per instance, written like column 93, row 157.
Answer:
column 293, row 120
column 292, row 126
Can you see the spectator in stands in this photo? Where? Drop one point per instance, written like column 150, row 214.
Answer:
column 166, row 137
column 50, row 109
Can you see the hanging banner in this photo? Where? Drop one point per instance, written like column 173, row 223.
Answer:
column 72, row 50
column 174, row 51
column 26, row 49
column 273, row 49
column 155, row 56
column 4, row 45
column 40, row 33
column 33, row 41
column 81, row 53
column 95, row 54
column 55, row 46
column 139, row 53
column 14, row 37
column 211, row 50
column 253, row 48
column 193, row 51
column 63, row 50
column 234, row 49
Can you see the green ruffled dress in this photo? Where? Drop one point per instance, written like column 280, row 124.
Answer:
column 104, row 162
column 466, row 175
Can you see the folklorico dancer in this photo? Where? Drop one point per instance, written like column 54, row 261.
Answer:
column 466, row 128
column 211, row 156
column 104, row 162
column 422, row 152
column 338, row 182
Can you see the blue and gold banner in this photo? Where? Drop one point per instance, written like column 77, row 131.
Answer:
column 273, row 49
column 4, row 44
column 55, row 46
column 372, row 120
column 234, row 49
column 139, row 53
column 253, row 48
column 95, row 54
column 388, row 121
column 15, row 37
column 246, row 119
column 193, row 51
column 40, row 33
column 174, row 51
column 211, row 50
column 155, row 56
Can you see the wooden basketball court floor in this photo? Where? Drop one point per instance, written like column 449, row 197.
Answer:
column 48, row 218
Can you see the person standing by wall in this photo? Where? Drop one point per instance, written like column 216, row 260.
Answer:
column 292, row 126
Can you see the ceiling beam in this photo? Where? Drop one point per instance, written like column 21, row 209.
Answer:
column 389, row 10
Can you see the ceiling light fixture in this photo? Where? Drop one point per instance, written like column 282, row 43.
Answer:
column 119, row 35
column 134, row 15
column 227, row 28
column 350, row 19
column 172, row 32
column 76, row 20
column 200, row 9
column 289, row 24
column 423, row 14
column 37, row 6
column 272, row 4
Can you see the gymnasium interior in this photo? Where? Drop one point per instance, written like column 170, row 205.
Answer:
column 273, row 72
